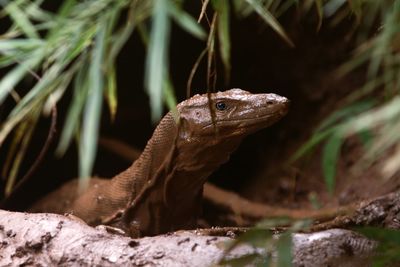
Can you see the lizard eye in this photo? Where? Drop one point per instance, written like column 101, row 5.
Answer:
column 220, row 105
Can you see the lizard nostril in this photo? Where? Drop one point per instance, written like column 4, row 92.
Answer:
column 270, row 102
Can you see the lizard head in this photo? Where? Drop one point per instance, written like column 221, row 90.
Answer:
column 235, row 112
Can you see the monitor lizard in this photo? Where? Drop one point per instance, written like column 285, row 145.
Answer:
column 162, row 190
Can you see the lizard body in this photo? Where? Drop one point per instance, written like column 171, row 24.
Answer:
column 161, row 191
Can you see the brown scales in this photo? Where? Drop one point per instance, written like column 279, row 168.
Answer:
column 162, row 190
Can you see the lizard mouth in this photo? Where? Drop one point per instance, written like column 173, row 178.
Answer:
column 263, row 121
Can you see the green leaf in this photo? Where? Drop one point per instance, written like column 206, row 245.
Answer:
column 313, row 199
column 20, row 44
column 384, row 41
column 111, row 92
column 333, row 124
column 80, row 43
column 284, row 249
column 118, row 41
column 9, row 60
column 222, row 8
column 33, row 100
column 346, row 112
column 11, row 122
column 315, row 139
column 42, row 88
column 331, row 7
column 245, row 260
column 381, row 234
column 270, row 20
column 19, row 17
column 285, row 6
column 13, row 149
column 92, row 112
column 157, row 57
column 273, row 222
column 211, row 79
column 366, row 137
column 66, row 8
column 81, row 88
column 356, row 7
column 318, row 4
column 373, row 117
column 60, row 20
column 241, row 8
column 27, row 129
column 67, row 35
column 257, row 237
column 330, row 157
column 14, row 76
column 37, row 14
column 388, row 246
column 187, row 22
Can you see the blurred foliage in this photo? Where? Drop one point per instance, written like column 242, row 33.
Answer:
column 387, row 252
column 75, row 49
column 372, row 111
column 271, row 249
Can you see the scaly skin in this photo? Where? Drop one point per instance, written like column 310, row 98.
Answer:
column 162, row 190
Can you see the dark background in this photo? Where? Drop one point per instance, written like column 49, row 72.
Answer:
column 261, row 62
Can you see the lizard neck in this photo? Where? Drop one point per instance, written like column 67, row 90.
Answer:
column 166, row 182
column 139, row 176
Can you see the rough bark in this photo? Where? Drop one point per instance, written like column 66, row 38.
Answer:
column 55, row 240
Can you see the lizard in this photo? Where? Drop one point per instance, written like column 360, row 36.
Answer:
column 162, row 190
